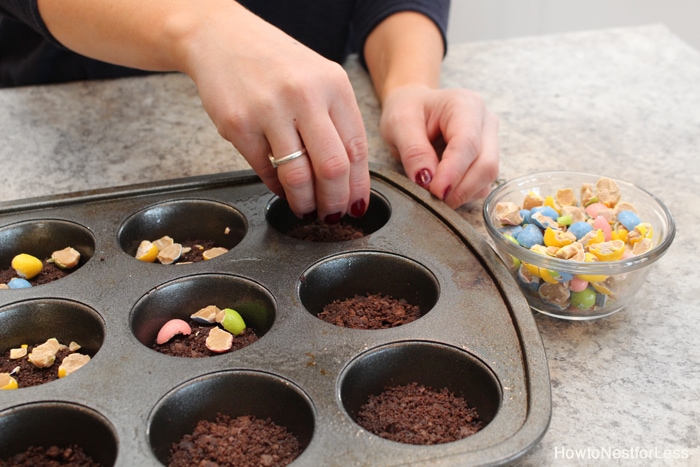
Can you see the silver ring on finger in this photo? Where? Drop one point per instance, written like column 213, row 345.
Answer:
column 288, row 158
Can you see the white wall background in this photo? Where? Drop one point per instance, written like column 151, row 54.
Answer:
column 472, row 20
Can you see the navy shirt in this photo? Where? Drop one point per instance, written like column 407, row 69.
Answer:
column 29, row 54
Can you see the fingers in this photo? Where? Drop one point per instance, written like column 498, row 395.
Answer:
column 476, row 179
column 447, row 141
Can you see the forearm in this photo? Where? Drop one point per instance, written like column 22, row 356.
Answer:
column 153, row 35
column 406, row 48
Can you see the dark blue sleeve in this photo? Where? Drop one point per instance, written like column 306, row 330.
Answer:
column 27, row 12
column 369, row 13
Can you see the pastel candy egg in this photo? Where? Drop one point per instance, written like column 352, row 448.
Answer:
column 27, row 266
column 525, row 214
column 580, row 229
column 543, row 221
column 18, row 283
column 233, row 321
column 512, row 230
column 529, row 281
column 594, row 209
column 529, row 236
column 577, row 284
column 7, row 381
column 546, row 210
column 629, row 219
column 171, row 329
column 583, row 300
column 602, row 223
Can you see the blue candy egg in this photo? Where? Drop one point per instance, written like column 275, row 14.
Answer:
column 525, row 214
column 628, row 219
column 527, row 280
column 546, row 210
column 19, row 283
column 580, row 229
column 529, row 236
column 512, row 230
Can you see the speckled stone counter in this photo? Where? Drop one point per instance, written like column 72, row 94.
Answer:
column 623, row 102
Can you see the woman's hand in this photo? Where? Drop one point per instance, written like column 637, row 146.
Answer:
column 265, row 92
column 273, row 95
column 446, row 140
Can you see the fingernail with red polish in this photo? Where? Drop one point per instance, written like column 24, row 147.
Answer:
column 424, row 177
column 358, row 208
column 309, row 216
column 332, row 218
column 446, row 193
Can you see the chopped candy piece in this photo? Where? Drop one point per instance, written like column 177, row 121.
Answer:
column 532, row 200
column 566, row 197
column 163, row 242
column 206, row 315
column 18, row 353
column 72, row 363
column 558, row 238
column 43, row 356
column 508, row 214
column 172, row 328
column 608, row 251
column 587, row 195
column 219, row 340
column 607, row 191
column 67, row 258
column 147, row 252
column 214, row 252
column 170, row 254
column 557, row 295
column 7, row 381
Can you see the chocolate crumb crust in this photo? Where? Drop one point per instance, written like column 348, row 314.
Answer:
column 244, row 441
column 417, row 414
column 194, row 344
column 319, row 231
column 53, row 456
column 371, row 311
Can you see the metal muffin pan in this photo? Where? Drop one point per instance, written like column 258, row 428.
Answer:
column 476, row 334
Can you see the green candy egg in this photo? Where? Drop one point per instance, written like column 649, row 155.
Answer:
column 233, row 321
column 583, row 300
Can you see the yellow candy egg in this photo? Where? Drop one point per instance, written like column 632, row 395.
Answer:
column 558, row 238
column 608, row 251
column 7, row 381
column 147, row 252
column 27, row 266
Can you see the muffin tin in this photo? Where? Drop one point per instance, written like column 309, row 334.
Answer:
column 476, row 334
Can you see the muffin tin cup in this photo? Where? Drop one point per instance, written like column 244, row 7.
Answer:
column 476, row 335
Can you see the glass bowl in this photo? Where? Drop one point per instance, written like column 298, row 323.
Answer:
column 576, row 289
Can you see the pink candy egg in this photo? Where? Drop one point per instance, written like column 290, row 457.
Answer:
column 601, row 223
column 171, row 329
column 578, row 285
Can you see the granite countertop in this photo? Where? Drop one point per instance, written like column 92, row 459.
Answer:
column 623, row 102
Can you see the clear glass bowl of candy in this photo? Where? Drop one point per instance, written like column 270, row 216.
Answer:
column 579, row 245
